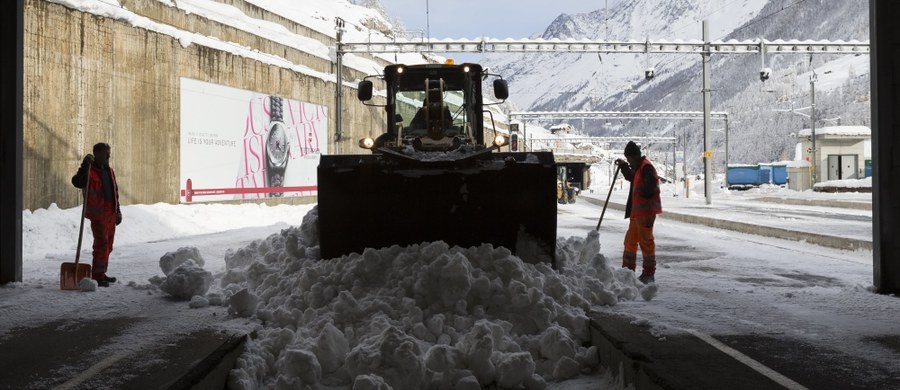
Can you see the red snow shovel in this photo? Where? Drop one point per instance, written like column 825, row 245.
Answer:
column 613, row 183
column 72, row 273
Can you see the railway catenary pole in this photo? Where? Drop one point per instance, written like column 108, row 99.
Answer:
column 707, row 152
column 338, row 88
column 812, row 127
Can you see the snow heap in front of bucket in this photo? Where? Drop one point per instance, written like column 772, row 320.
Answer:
column 185, row 277
column 422, row 316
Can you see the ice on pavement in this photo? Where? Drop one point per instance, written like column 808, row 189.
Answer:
column 422, row 316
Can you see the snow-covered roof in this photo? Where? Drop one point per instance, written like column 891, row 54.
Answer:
column 798, row 164
column 844, row 131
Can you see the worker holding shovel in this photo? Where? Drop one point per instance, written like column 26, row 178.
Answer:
column 101, row 207
column 642, row 207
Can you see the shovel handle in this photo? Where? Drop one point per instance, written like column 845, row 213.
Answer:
column 87, row 182
column 611, row 185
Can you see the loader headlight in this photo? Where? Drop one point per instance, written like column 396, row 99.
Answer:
column 366, row 143
column 500, row 140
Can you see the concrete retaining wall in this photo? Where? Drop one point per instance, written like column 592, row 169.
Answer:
column 92, row 79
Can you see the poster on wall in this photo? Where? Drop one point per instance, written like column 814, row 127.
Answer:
column 242, row 145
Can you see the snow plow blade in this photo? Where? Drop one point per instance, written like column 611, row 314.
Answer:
column 374, row 201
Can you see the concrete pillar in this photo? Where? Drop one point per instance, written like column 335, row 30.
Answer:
column 885, row 60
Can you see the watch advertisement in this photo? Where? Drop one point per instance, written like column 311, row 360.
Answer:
column 242, row 145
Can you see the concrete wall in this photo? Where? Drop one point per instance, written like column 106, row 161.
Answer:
column 89, row 79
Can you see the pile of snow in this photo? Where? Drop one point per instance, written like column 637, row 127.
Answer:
column 185, row 277
column 87, row 285
column 846, row 183
column 422, row 316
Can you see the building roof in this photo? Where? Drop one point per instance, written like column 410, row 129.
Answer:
column 844, row 131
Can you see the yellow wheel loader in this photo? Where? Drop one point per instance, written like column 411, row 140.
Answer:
column 436, row 173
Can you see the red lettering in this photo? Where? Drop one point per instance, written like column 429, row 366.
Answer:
column 304, row 111
column 249, row 181
column 253, row 154
column 252, row 127
column 241, row 182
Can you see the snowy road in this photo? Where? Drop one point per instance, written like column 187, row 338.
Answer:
column 815, row 302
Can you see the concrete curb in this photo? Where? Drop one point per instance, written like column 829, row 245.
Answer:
column 844, row 204
column 644, row 361
column 211, row 372
column 759, row 230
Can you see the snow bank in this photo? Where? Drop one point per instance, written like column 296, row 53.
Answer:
column 423, row 316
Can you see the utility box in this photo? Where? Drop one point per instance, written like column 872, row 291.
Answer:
column 799, row 175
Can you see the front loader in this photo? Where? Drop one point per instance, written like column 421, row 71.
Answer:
column 435, row 174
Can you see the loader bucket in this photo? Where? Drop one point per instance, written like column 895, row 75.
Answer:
column 371, row 201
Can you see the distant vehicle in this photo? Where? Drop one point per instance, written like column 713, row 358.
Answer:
column 562, row 128
column 571, row 179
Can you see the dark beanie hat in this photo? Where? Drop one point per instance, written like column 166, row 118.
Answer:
column 631, row 149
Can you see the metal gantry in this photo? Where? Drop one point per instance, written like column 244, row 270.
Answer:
column 670, row 115
column 655, row 115
column 490, row 45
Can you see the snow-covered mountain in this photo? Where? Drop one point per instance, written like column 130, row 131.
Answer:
column 759, row 128
column 758, row 133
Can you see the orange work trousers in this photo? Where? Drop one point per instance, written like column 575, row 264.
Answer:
column 640, row 234
column 104, row 230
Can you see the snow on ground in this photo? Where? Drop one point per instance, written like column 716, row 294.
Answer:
column 426, row 315
column 430, row 315
column 429, row 312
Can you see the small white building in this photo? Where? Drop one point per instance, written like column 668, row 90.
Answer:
column 840, row 151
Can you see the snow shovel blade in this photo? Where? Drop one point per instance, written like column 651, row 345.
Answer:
column 72, row 273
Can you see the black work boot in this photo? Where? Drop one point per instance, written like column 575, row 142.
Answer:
column 646, row 279
column 102, row 283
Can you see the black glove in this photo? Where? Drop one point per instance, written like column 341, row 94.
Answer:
column 88, row 160
column 621, row 163
column 118, row 218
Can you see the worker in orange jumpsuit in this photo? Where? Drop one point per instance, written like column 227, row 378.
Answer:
column 101, row 207
column 642, row 207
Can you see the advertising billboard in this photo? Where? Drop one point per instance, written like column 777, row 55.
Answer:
column 242, row 145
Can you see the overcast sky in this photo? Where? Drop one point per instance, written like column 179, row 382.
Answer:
column 493, row 19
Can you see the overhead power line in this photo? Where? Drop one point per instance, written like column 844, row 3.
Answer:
column 755, row 46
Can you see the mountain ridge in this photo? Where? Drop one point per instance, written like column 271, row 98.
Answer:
column 615, row 82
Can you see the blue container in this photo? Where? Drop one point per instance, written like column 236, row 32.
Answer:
column 868, row 170
column 747, row 175
column 768, row 169
column 779, row 174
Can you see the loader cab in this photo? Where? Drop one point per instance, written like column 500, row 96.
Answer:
column 433, row 106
